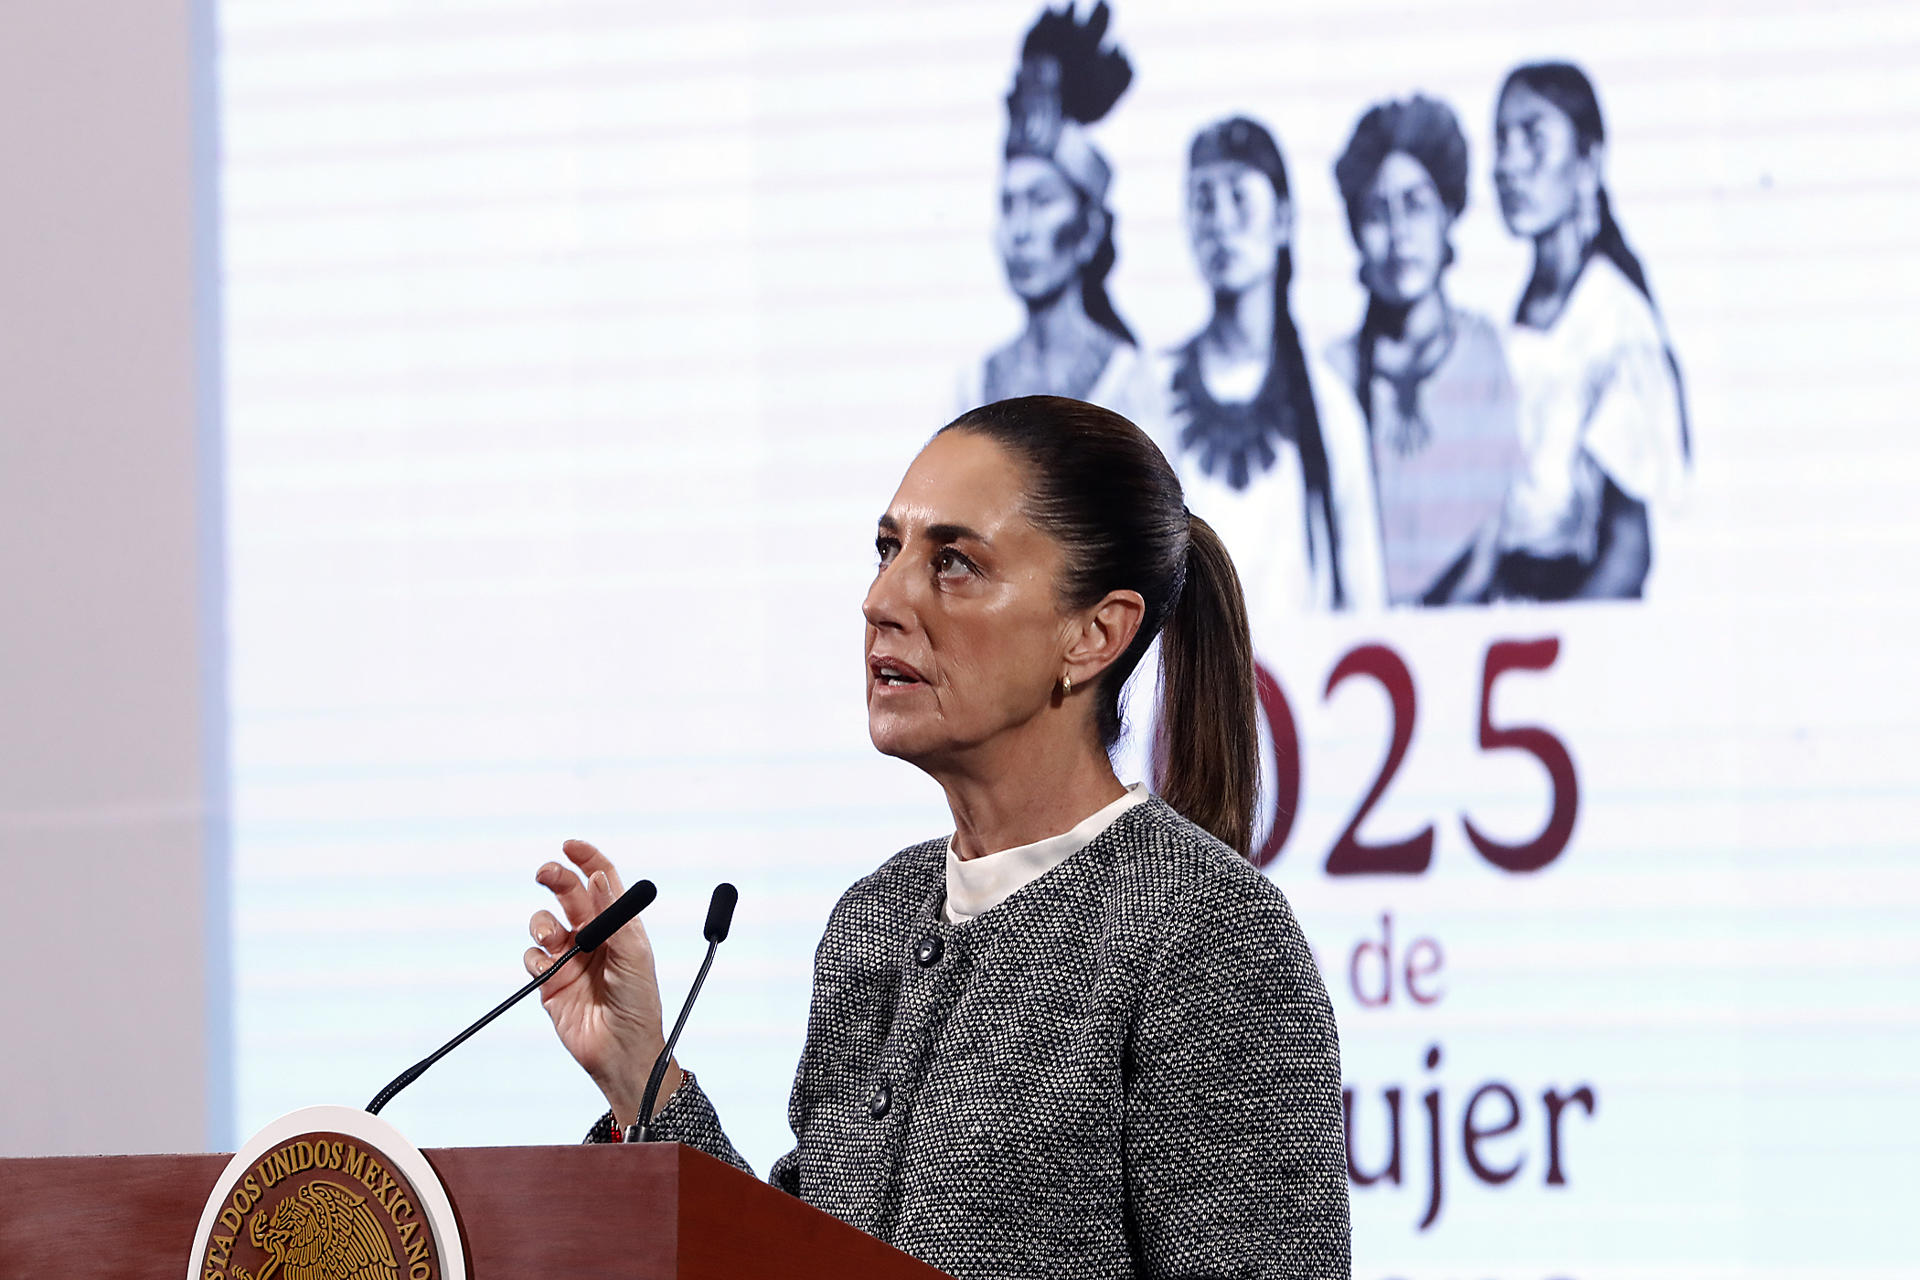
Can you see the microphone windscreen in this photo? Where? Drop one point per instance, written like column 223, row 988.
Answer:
column 609, row 922
column 720, row 912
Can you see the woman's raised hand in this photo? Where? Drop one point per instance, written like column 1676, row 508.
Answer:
column 605, row 1005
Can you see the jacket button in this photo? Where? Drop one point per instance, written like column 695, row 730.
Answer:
column 881, row 1103
column 929, row 950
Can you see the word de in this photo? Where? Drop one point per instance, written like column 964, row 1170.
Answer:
column 1371, row 971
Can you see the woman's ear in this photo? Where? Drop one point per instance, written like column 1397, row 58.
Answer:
column 1589, row 181
column 1596, row 158
column 1095, row 217
column 1282, row 223
column 1103, row 633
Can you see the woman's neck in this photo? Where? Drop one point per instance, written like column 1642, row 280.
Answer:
column 1411, row 335
column 1026, row 795
column 1558, row 256
column 1242, row 324
column 1058, row 323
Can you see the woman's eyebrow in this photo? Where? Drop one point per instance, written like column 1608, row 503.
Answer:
column 957, row 533
column 942, row 533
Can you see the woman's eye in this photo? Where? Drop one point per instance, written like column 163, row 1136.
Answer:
column 949, row 562
column 885, row 549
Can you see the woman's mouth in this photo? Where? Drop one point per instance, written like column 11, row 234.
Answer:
column 890, row 673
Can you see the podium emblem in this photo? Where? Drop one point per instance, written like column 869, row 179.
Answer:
column 327, row 1193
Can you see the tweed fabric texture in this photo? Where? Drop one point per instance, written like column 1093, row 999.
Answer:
column 1128, row 1068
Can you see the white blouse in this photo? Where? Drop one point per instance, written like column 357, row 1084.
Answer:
column 978, row 885
column 1597, row 401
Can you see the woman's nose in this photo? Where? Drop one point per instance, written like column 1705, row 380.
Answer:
column 1508, row 162
column 1400, row 231
column 885, row 605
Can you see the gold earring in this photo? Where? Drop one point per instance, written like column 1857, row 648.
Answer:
column 1066, row 686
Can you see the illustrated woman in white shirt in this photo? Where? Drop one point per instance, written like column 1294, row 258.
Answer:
column 1055, row 232
column 1601, row 411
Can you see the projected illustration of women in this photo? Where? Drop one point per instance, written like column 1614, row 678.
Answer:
column 1270, row 448
column 1055, row 233
column 1430, row 377
column 1601, row 411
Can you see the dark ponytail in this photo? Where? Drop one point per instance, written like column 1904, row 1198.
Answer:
column 1207, row 751
column 1101, row 489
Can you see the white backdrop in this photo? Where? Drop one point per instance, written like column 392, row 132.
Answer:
column 572, row 349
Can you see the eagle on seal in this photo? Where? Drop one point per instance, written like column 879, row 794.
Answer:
column 321, row 1232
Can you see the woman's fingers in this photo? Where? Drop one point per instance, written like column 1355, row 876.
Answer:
column 548, row 933
column 574, row 897
column 582, row 901
column 591, row 860
column 600, row 889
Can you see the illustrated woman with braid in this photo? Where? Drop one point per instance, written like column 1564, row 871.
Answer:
column 1601, row 411
column 1055, row 231
column 1430, row 377
column 1266, row 441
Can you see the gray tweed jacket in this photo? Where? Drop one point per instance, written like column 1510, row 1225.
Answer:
column 1128, row 1068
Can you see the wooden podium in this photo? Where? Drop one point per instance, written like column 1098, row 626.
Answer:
column 655, row 1212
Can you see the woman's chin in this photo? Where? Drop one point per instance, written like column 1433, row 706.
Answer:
column 1526, row 221
column 897, row 736
column 1036, row 286
column 1403, row 292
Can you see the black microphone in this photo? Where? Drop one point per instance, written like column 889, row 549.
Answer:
column 590, row 936
column 719, row 920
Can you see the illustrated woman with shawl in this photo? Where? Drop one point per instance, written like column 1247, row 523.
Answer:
column 1269, row 445
column 1601, row 410
column 1055, row 231
column 1430, row 377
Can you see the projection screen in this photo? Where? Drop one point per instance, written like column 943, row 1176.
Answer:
column 573, row 350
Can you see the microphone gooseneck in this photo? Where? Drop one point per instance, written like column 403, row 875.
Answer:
column 590, row 936
column 719, row 921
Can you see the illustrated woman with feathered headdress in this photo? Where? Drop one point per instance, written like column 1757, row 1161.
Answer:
column 1055, row 231
column 1270, row 447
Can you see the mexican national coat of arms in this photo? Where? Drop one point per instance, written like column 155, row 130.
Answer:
column 327, row 1194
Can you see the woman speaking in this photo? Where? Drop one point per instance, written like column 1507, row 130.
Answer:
column 1082, row 1035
